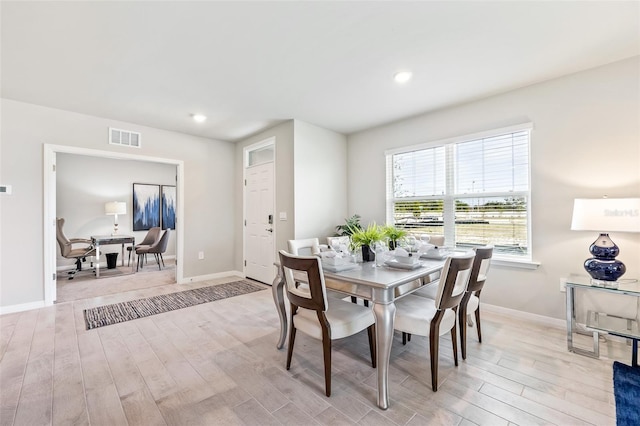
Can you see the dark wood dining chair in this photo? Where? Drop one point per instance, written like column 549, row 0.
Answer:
column 316, row 315
column 432, row 318
column 471, row 300
column 311, row 246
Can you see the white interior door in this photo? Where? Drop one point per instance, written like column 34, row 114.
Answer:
column 259, row 246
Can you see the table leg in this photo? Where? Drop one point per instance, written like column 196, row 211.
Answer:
column 385, row 315
column 97, row 260
column 570, row 316
column 133, row 250
column 277, row 291
column 122, row 263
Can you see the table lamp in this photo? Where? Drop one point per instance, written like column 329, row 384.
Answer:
column 605, row 215
column 115, row 208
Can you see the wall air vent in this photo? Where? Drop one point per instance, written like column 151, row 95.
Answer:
column 124, row 137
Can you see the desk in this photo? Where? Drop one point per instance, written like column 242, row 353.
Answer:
column 599, row 322
column 103, row 240
column 381, row 285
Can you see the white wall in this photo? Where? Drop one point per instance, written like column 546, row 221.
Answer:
column 84, row 184
column 320, row 180
column 585, row 143
column 310, row 182
column 209, row 197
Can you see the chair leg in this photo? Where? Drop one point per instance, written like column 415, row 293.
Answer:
column 454, row 343
column 463, row 332
column 162, row 259
column 478, row 325
column 371, row 330
column 355, row 300
column 292, row 339
column 434, row 343
column 326, row 348
column 158, row 260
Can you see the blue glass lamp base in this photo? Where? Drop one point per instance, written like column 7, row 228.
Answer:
column 605, row 270
column 603, row 265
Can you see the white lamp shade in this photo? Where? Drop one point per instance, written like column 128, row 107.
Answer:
column 115, row 207
column 606, row 215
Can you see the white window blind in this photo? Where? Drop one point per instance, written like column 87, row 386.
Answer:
column 473, row 191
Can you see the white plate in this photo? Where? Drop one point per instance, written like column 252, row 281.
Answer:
column 395, row 264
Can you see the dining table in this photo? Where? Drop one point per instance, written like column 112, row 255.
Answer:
column 381, row 286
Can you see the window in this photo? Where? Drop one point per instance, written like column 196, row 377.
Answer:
column 473, row 190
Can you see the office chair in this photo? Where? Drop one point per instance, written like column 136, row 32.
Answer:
column 67, row 251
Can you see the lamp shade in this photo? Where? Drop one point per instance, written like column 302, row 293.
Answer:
column 606, row 215
column 115, row 207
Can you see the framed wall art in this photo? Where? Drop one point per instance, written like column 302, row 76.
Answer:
column 168, row 202
column 146, row 206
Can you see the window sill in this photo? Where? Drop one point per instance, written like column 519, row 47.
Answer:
column 513, row 263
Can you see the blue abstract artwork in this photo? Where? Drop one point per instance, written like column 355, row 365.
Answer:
column 168, row 207
column 146, row 206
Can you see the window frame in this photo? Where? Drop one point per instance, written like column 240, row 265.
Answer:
column 450, row 196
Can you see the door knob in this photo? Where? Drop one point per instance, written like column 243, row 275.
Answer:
column 269, row 229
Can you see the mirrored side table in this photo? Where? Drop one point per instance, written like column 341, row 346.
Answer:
column 600, row 323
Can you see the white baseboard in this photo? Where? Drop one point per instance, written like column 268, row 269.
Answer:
column 21, row 307
column 540, row 319
column 211, row 277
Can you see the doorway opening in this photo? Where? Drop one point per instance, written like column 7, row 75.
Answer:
column 174, row 272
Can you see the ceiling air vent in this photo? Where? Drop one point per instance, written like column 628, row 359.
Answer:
column 124, row 137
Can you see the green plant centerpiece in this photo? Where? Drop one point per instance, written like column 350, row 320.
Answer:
column 350, row 225
column 394, row 235
column 364, row 238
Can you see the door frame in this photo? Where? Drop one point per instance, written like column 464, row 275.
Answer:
column 49, row 204
column 271, row 141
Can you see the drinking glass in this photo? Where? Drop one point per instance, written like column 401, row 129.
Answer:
column 379, row 248
column 410, row 243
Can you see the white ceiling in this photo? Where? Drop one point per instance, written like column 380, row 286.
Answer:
column 250, row 65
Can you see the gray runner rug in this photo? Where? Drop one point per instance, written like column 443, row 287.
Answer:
column 134, row 309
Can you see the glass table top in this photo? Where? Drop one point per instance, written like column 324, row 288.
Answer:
column 623, row 285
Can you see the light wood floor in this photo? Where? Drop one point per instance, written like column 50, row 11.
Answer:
column 216, row 364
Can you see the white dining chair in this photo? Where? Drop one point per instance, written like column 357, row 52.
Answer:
column 304, row 247
column 319, row 317
column 470, row 303
column 342, row 240
column 308, row 247
column 433, row 318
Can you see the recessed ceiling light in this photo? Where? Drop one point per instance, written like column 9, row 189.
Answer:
column 199, row 118
column 402, row 76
